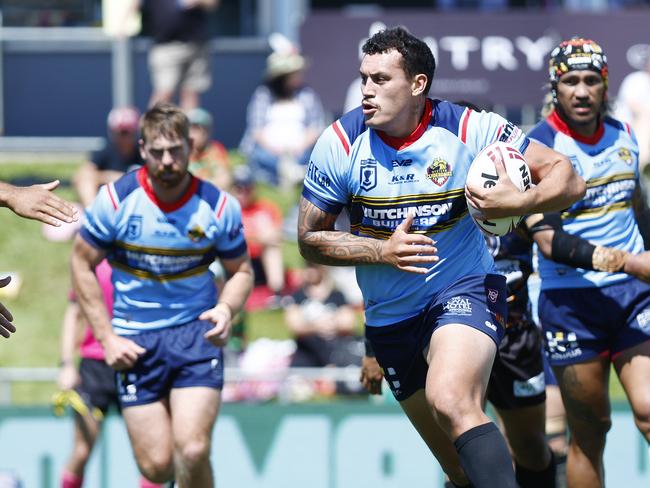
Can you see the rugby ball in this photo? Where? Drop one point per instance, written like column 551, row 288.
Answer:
column 482, row 172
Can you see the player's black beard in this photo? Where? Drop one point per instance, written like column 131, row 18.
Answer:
column 168, row 179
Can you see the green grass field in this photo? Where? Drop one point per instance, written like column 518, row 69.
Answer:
column 44, row 268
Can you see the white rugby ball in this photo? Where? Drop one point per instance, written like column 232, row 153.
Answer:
column 482, row 172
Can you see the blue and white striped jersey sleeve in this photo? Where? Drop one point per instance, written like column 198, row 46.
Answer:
column 328, row 174
column 99, row 220
column 230, row 242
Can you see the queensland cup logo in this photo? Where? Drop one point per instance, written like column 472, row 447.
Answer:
column 368, row 174
column 626, row 155
column 134, row 227
column 439, row 171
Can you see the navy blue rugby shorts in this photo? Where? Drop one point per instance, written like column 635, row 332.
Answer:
column 477, row 301
column 582, row 323
column 176, row 357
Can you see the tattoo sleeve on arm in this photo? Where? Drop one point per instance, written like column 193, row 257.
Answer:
column 320, row 243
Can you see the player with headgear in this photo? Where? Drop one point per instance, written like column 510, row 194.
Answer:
column 594, row 310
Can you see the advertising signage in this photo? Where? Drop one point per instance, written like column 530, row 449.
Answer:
column 487, row 58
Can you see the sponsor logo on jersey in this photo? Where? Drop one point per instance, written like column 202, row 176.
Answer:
column 508, row 133
column 439, row 171
column 235, row 232
column 458, row 306
column 134, row 227
column 424, row 210
column 158, row 264
column 561, row 346
column 626, row 155
column 399, row 179
column 196, row 233
column 317, row 176
column 368, row 174
column 401, row 163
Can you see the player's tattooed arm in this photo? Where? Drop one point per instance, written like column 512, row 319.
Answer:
column 320, row 243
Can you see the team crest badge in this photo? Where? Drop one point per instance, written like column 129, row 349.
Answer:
column 134, row 227
column 626, row 155
column 196, row 233
column 439, row 171
column 368, row 174
column 493, row 295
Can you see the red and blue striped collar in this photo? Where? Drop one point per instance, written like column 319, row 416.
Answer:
column 560, row 125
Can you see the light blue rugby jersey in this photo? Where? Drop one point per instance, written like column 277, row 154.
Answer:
column 378, row 180
column 160, row 253
column 608, row 162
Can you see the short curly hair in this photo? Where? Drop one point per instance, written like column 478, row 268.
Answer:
column 417, row 58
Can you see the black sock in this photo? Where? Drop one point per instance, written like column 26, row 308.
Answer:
column 536, row 479
column 485, row 458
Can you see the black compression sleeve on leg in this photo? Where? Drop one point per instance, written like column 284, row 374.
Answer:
column 572, row 250
column 485, row 458
column 537, row 479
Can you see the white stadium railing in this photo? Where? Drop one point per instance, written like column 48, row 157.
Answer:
column 350, row 374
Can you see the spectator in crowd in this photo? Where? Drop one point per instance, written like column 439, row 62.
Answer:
column 35, row 202
column 90, row 386
column 322, row 323
column 284, row 118
column 263, row 230
column 119, row 155
column 209, row 158
column 593, row 310
column 165, row 295
column 179, row 60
